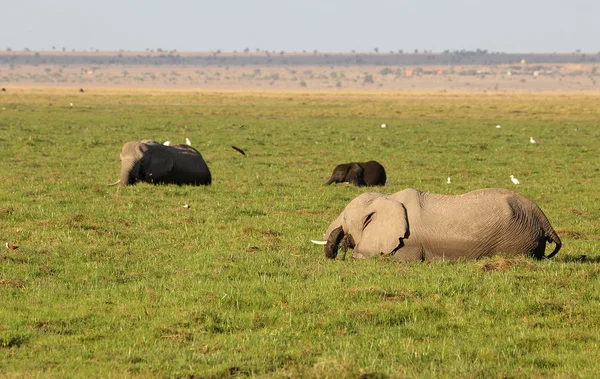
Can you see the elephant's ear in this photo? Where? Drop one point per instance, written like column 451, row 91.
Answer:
column 385, row 224
column 160, row 165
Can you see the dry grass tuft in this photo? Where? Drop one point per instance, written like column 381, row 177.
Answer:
column 504, row 264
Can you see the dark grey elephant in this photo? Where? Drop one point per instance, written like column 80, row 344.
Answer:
column 152, row 162
column 414, row 226
column 369, row 173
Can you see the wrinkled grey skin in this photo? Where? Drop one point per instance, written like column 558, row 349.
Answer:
column 369, row 173
column 152, row 162
column 414, row 226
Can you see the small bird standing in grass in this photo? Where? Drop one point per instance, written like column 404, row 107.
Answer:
column 448, row 181
column 514, row 180
column 11, row 247
column 531, row 140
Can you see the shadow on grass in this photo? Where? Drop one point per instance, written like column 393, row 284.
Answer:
column 13, row 341
column 579, row 258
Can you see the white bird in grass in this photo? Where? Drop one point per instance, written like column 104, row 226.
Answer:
column 498, row 126
column 167, row 143
column 383, row 125
column 514, row 180
column 531, row 140
column 448, row 181
column 188, row 142
column 71, row 105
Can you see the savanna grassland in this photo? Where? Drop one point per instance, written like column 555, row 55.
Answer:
column 121, row 282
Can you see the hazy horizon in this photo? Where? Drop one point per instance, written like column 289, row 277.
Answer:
column 333, row 26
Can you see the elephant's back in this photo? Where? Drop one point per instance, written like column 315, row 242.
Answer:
column 374, row 173
column 191, row 167
column 480, row 223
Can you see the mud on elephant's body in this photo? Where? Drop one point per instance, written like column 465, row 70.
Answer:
column 152, row 162
column 369, row 173
column 413, row 226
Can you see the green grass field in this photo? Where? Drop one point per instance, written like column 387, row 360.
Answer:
column 126, row 282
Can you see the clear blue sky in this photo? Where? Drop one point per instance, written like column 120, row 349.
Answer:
column 323, row 25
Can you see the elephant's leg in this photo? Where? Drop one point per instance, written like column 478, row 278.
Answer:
column 410, row 254
column 540, row 251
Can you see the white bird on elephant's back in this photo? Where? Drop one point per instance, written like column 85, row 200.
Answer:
column 167, row 143
column 188, row 142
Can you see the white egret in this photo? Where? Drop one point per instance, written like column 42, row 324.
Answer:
column 514, row 180
column 383, row 125
column 188, row 142
column 531, row 140
column 167, row 143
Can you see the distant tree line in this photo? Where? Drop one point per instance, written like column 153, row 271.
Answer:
column 478, row 57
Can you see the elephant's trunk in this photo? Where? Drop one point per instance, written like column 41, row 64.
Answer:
column 130, row 171
column 331, row 180
column 553, row 237
column 333, row 242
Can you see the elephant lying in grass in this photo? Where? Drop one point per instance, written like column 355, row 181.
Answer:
column 369, row 173
column 152, row 162
column 414, row 226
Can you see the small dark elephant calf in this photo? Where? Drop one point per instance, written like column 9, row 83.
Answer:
column 369, row 173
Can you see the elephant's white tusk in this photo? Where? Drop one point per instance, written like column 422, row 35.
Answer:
column 115, row 183
column 318, row 242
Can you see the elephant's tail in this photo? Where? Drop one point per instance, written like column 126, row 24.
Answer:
column 553, row 237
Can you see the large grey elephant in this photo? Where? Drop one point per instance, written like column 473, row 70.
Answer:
column 414, row 226
column 369, row 173
column 152, row 162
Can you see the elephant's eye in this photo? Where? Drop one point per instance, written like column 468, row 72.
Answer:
column 368, row 219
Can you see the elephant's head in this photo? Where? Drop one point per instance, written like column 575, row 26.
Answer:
column 347, row 172
column 372, row 224
column 143, row 161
